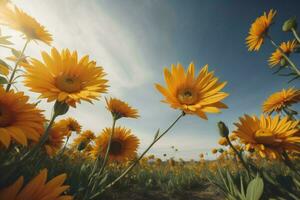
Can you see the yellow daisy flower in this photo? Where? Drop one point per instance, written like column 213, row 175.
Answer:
column 279, row 100
column 268, row 136
column 258, row 30
column 56, row 138
column 214, row 151
column 120, row 109
column 18, row 20
column 286, row 47
column 123, row 145
column 37, row 189
column 64, row 78
column 193, row 95
column 71, row 125
column 82, row 140
column 19, row 120
column 223, row 141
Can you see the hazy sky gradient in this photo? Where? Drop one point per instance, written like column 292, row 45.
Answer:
column 134, row 40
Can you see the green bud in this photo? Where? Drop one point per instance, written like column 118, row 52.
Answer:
column 289, row 24
column 283, row 62
column 81, row 146
column 60, row 108
column 223, row 129
column 220, row 150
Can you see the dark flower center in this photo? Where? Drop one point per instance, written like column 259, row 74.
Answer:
column 116, row 147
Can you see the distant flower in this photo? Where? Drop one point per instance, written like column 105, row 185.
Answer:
column 18, row 20
column 123, row 145
column 279, row 100
column 82, row 140
column 38, row 188
column 287, row 48
column 201, row 155
column 268, row 136
column 56, row 139
column 71, row 125
column 20, row 121
column 120, row 109
column 64, row 78
column 258, row 30
column 214, row 151
column 193, row 95
column 223, row 141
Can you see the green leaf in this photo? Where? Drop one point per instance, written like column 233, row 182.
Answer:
column 16, row 53
column 255, row 189
column 4, row 40
column 3, row 80
column 156, row 134
column 4, row 68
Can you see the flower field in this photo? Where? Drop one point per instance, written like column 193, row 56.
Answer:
column 56, row 158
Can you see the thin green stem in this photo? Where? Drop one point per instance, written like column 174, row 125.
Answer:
column 293, row 66
column 139, row 158
column 16, row 67
column 91, row 185
column 4, row 46
column 238, row 154
column 296, row 35
column 108, row 148
column 64, row 148
column 288, row 113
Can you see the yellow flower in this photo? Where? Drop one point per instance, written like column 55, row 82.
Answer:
column 201, row 155
column 37, row 189
column 71, row 125
column 64, row 78
column 193, row 95
column 214, row 151
column 279, row 100
column 286, row 47
column 259, row 30
column 83, row 140
column 120, row 109
column 56, row 139
column 123, row 146
column 223, row 141
column 18, row 20
column 19, row 120
column 268, row 136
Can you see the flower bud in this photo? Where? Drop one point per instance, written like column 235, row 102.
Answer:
column 60, row 108
column 223, row 129
column 289, row 24
column 283, row 62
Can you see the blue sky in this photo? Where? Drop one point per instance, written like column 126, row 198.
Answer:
column 134, row 40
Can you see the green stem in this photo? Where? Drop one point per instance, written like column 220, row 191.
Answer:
column 4, row 46
column 140, row 157
column 106, row 156
column 293, row 66
column 238, row 154
column 64, row 148
column 296, row 35
column 288, row 113
column 108, row 148
column 16, row 67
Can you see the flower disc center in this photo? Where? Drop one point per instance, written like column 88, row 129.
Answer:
column 265, row 136
column 68, row 83
column 6, row 116
column 187, row 96
column 116, row 147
